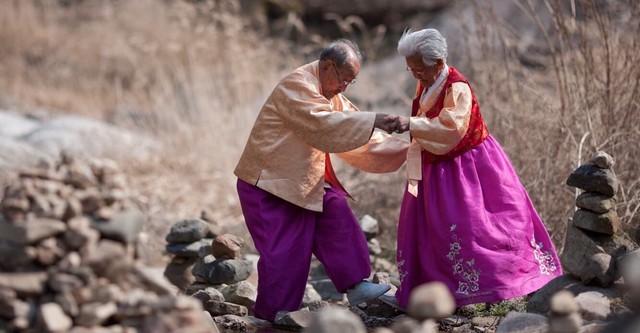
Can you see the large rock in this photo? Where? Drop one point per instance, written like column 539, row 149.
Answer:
column 431, row 301
column 30, row 232
column 539, row 302
column 590, row 178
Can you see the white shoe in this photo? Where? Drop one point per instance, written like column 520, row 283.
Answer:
column 366, row 291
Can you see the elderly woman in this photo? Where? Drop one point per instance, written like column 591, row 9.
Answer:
column 466, row 220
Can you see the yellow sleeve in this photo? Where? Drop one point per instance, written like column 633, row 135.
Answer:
column 441, row 134
column 383, row 153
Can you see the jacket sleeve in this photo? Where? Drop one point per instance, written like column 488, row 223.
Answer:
column 441, row 134
column 383, row 153
column 311, row 117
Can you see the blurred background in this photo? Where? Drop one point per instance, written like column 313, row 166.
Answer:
column 169, row 89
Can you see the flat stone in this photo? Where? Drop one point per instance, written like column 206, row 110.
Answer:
column 124, row 226
column 594, row 305
column 607, row 223
column 189, row 231
column 595, row 202
column 31, row 231
column 516, row 322
column 590, row 178
column 24, row 283
column 293, row 320
column 216, row 308
column 208, row 294
column 188, row 250
column 243, row 293
column 223, row 271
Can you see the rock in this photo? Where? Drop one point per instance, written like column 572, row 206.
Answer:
column 13, row 256
column 590, row 178
column 405, row 325
column 369, row 226
column 224, row 271
column 188, row 250
column 227, row 246
column 189, row 231
column 602, row 160
column 595, row 202
column 571, row 323
column 178, row 272
column 335, row 320
column 293, row 320
column 92, row 314
column 599, row 270
column 240, row 324
column 630, row 268
column 105, row 255
column 594, row 305
column 124, row 226
column 243, row 293
column 516, row 322
column 310, row 295
column 431, row 301
column 563, row 303
column 327, row 290
column 24, row 283
column 153, row 279
column 52, row 319
column 208, row 294
column 374, row 247
column 539, row 302
column 607, row 223
column 30, row 232
column 216, row 308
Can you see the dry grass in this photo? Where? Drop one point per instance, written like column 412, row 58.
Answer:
column 584, row 98
column 193, row 75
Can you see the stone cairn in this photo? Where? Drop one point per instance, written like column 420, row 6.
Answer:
column 68, row 257
column 595, row 240
column 218, row 273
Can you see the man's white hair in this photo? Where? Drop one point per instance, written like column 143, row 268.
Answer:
column 428, row 43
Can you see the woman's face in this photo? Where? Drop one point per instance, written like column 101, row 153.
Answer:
column 427, row 75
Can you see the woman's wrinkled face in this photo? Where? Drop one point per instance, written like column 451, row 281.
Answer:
column 427, row 75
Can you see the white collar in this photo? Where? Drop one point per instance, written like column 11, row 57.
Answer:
column 443, row 75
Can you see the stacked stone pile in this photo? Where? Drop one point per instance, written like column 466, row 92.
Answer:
column 187, row 240
column 595, row 239
column 219, row 272
column 67, row 253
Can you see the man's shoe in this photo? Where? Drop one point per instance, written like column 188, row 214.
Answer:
column 366, row 291
column 391, row 301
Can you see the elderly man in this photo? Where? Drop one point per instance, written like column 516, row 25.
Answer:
column 293, row 204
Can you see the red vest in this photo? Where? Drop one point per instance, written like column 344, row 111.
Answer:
column 477, row 131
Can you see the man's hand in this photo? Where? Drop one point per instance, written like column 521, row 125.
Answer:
column 386, row 122
column 402, row 124
column 391, row 123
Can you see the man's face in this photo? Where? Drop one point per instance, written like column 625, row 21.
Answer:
column 337, row 79
column 427, row 75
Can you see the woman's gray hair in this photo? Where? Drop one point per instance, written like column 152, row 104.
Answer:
column 428, row 43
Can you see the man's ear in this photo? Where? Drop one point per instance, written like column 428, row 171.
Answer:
column 440, row 64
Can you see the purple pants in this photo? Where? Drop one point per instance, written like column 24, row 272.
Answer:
column 286, row 236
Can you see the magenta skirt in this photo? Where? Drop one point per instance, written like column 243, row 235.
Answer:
column 474, row 228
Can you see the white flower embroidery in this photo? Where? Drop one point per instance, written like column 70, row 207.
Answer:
column 402, row 272
column 545, row 258
column 468, row 276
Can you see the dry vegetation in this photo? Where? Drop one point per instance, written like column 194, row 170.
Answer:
column 193, row 75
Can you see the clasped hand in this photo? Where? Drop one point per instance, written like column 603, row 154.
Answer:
column 391, row 123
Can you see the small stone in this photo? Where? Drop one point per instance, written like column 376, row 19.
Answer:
column 227, row 246
column 95, row 313
column 53, row 319
column 595, row 202
column 188, row 250
column 563, row 303
column 607, row 223
column 335, row 320
column 216, row 308
column 30, row 232
column 293, row 320
column 431, row 301
column 208, row 294
column 24, row 283
column 189, row 231
column 369, row 226
column 602, row 160
column 590, row 178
